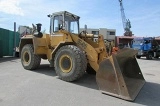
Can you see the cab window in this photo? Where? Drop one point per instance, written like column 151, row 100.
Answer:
column 58, row 21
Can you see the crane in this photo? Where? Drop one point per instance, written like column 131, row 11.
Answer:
column 126, row 22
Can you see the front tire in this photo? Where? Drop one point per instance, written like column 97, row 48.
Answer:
column 70, row 63
column 149, row 56
column 29, row 60
column 157, row 57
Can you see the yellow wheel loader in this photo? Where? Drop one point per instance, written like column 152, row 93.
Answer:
column 71, row 53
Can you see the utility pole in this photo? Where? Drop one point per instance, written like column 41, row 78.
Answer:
column 14, row 52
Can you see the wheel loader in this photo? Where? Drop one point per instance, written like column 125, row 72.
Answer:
column 71, row 52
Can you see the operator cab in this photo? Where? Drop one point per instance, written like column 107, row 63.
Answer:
column 64, row 21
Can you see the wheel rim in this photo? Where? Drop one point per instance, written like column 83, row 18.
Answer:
column 26, row 57
column 65, row 63
column 150, row 56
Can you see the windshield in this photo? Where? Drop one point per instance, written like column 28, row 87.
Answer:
column 137, row 42
column 147, row 41
column 71, row 24
column 66, row 22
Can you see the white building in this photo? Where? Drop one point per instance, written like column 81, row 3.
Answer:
column 24, row 30
column 109, row 34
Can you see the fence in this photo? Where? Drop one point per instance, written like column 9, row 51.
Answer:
column 7, row 42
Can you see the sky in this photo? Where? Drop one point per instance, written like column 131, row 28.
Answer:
column 143, row 14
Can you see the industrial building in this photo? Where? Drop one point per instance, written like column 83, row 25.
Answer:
column 109, row 34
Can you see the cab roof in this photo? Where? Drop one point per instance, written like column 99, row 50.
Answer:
column 65, row 13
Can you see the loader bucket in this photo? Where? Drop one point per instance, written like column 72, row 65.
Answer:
column 120, row 75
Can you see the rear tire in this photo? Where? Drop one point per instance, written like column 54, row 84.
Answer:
column 157, row 57
column 29, row 60
column 138, row 57
column 70, row 63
